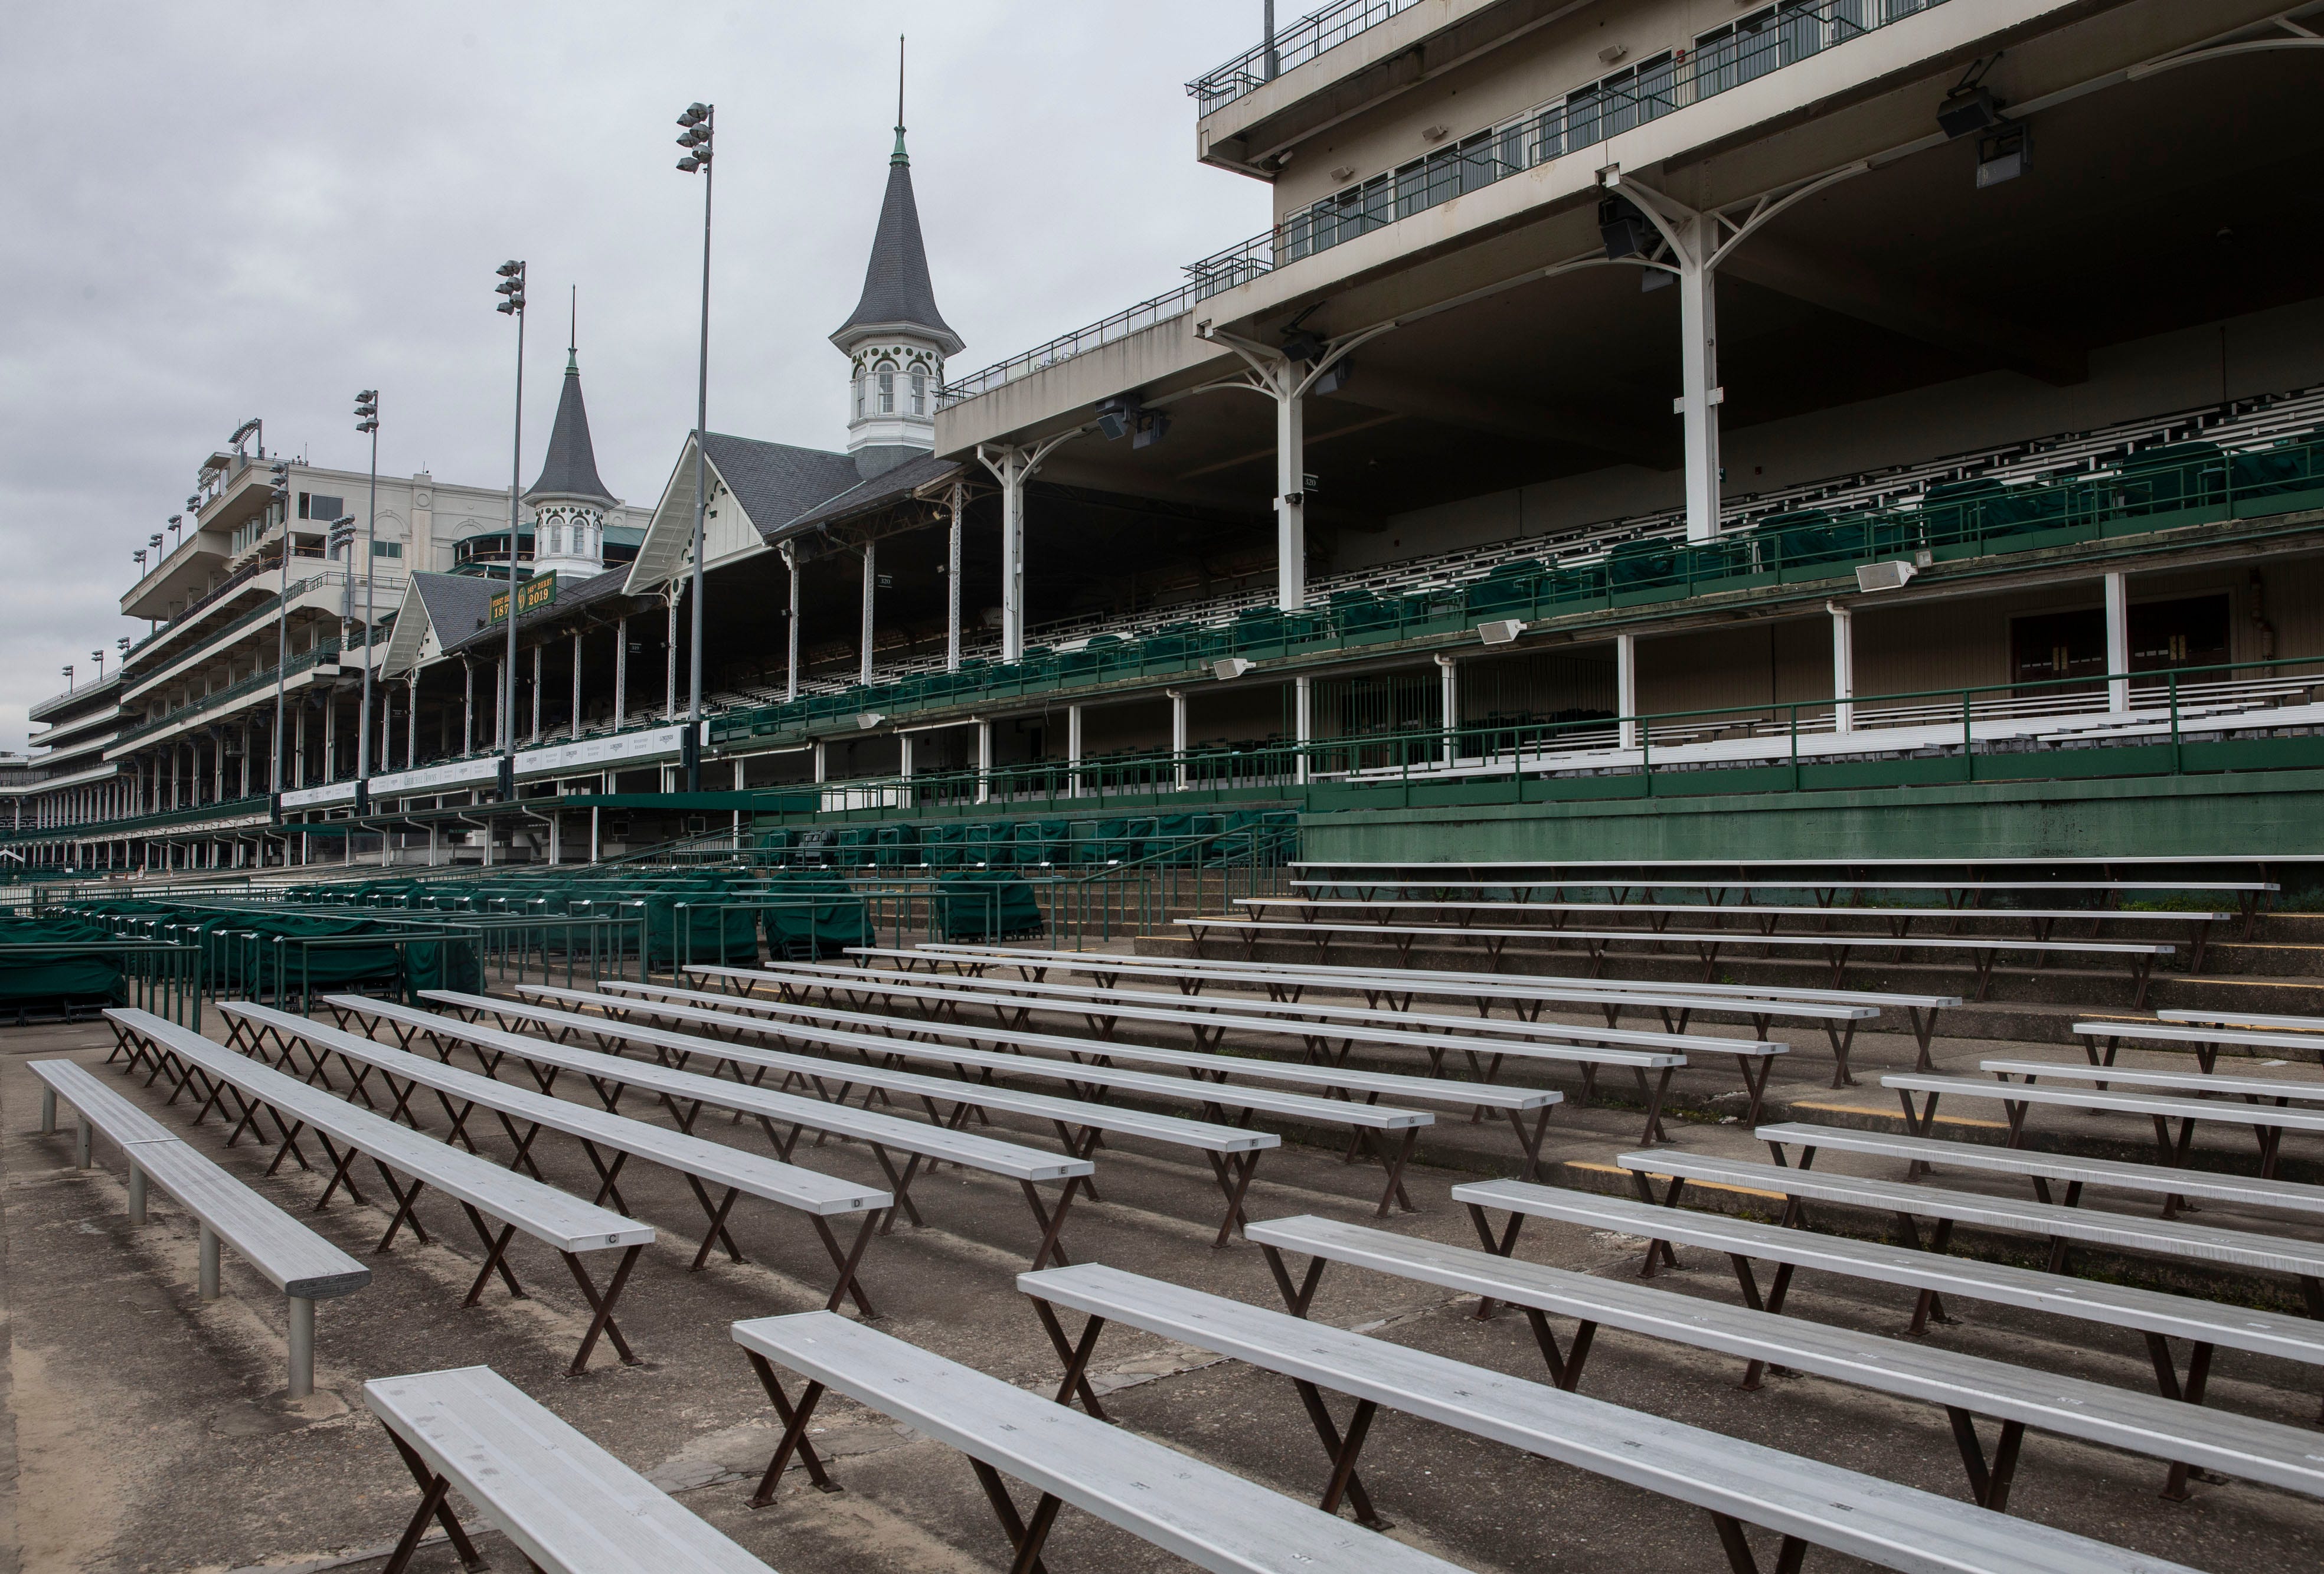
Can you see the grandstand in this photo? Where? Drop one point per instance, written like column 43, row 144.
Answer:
column 1708, row 654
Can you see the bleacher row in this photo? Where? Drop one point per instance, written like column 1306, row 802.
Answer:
column 920, row 1057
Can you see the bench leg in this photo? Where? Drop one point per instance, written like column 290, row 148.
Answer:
column 1027, row 1540
column 2166, row 1378
column 846, row 1262
column 136, row 1195
column 1394, row 1161
column 1565, row 1367
column 433, row 1489
column 718, row 1234
column 794, row 1438
column 1788, row 1558
column 1987, row 1484
column 1501, row 1248
column 600, row 1307
column 1344, row 1482
column 49, row 1103
column 1076, row 1354
column 495, row 1259
column 1053, row 1223
column 209, row 1272
column 302, row 1347
column 1295, row 1298
column 83, row 1143
column 1235, row 1172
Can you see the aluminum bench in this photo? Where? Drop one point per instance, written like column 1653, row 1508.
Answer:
column 1922, row 1154
column 2252, row 1019
column 1386, row 1132
column 2155, row 1315
column 609, row 1139
column 1967, row 1386
column 216, row 1075
column 1103, row 1011
column 2267, row 1122
column 1766, row 916
column 2061, row 1225
column 568, row 1505
column 1234, row 1151
column 285, row 1253
column 2211, row 1084
column 609, row 1075
column 2206, row 1040
column 1171, row 1500
column 1804, row 1500
column 1838, row 1012
column 1839, row 949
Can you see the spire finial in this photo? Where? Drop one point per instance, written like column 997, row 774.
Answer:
column 898, row 156
column 573, row 333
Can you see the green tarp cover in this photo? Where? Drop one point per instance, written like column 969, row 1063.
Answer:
column 968, row 906
column 812, row 916
column 26, row 977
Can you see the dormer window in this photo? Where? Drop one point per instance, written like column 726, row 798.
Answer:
column 887, row 388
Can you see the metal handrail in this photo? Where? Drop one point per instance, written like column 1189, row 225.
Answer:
column 217, row 698
column 1291, row 47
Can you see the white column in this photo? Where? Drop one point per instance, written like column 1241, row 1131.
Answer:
column 595, row 845
column 669, row 662
column 330, row 738
column 952, row 585
column 412, row 720
column 573, row 731
column 790, row 627
column 1449, row 709
column 822, row 762
column 1012, row 555
column 2117, row 633
column 537, row 650
column 435, row 840
column 1626, row 689
column 983, row 762
column 1179, row 735
column 386, row 726
column 904, row 755
column 871, row 582
column 467, row 709
column 621, row 673
column 1074, row 751
column 1698, row 313
column 1843, row 668
column 1290, row 491
column 1303, row 723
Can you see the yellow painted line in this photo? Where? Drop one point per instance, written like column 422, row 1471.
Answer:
column 1961, row 1120
column 1706, row 1185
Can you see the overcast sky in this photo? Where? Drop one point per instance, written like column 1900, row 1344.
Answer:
column 210, row 212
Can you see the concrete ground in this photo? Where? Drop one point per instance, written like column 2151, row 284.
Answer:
column 145, row 1429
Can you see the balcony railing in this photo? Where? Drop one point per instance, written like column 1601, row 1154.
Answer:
column 1294, row 45
column 1582, row 118
column 217, row 699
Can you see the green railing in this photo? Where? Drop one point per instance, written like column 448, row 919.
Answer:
column 263, row 679
column 139, row 824
column 2185, row 483
column 160, row 976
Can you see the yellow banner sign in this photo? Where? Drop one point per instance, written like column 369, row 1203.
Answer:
column 530, row 596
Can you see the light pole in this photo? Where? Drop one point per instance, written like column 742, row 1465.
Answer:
column 700, row 124
column 367, row 420
column 511, row 287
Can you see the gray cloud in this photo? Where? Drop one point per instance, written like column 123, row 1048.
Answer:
column 214, row 212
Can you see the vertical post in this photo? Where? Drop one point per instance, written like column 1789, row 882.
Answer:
column 411, row 719
column 136, row 1193
column 1303, row 724
column 596, row 845
column 1843, row 668
column 983, row 762
column 822, row 762
column 870, row 582
column 1449, row 706
column 2117, row 635
column 669, row 661
column 708, row 131
column 434, row 840
column 1290, row 490
column 208, row 1279
column 621, row 673
column 1012, row 555
column 1274, row 60
column 904, row 755
column 386, row 728
column 1179, row 736
column 573, row 731
column 1698, row 311
column 952, row 583
column 1072, row 752
column 1625, row 690
column 467, row 707
column 537, row 650
column 791, row 626
column 48, row 1110
column 302, row 1347
column 81, row 1129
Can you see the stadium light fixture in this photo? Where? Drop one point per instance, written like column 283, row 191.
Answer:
column 367, row 423
column 1502, row 632
column 2005, row 154
column 511, row 289
column 697, row 129
column 867, row 720
column 1623, row 228
column 1233, row 666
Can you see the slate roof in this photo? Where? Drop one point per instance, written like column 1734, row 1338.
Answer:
column 896, row 288
column 456, row 605
column 570, row 469
column 571, row 595
column 890, row 486
column 776, row 482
